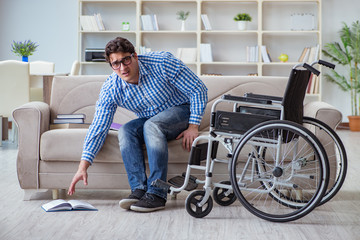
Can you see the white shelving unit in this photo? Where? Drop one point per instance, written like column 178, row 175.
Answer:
column 270, row 26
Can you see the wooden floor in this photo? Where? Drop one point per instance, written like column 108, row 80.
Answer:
column 338, row 219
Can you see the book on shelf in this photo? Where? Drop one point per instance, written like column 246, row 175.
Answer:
column 206, row 22
column 317, row 52
column 302, row 55
column 92, row 22
column 313, row 54
column 265, row 54
column 187, row 55
column 94, row 26
column 313, row 85
column 252, row 53
column 316, row 88
column 149, row 22
column 310, row 54
column 309, row 84
column 85, row 23
column 71, row 205
column 205, row 52
column 99, row 21
column 155, row 22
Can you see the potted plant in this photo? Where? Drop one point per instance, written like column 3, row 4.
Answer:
column 24, row 49
column 242, row 19
column 182, row 15
column 347, row 54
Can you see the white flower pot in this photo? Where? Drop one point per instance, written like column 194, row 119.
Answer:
column 182, row 25
column 242, row 25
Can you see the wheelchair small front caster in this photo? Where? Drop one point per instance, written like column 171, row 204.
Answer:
column 220, row 196
column 194, row 209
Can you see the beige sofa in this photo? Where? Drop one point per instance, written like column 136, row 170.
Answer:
column 48, row 159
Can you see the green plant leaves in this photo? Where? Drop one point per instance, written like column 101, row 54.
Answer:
column 182, row 15
column 242, row 17
column 26, row 48
column 347, row 54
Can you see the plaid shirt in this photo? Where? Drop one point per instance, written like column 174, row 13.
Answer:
column 164, row 82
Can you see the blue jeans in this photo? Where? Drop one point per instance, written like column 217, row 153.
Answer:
column 154, row 132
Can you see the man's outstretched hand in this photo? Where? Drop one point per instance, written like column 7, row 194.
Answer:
column 81, row 174
column 188, row 136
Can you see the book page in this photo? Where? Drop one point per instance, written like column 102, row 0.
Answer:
column 81, row 205
column 56, row 205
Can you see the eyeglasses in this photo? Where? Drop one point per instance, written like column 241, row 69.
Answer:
column 125, row 61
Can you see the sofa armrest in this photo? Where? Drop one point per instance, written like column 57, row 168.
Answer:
column 32, row 119
column 323, row 112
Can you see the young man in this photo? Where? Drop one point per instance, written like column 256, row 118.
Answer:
column 169, row 100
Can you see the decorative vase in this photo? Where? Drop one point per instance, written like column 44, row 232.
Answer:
column 183, row 25
column 242, row 25
column 354, row 123
column 25, row 58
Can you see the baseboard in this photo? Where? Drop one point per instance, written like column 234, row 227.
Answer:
column 343, row 126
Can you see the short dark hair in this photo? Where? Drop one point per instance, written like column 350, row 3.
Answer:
column 118, row 44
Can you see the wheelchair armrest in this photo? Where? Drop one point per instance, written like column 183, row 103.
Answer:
column 266, row 97
column 246, row 99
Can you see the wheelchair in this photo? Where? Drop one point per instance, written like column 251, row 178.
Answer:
column 278, row 168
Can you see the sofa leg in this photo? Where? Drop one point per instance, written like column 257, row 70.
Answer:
column 55, row 194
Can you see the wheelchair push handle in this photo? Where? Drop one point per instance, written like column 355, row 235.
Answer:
column 326, row 64
column 311, row 69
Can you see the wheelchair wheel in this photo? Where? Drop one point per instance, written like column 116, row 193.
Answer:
column 222, row 196
column 336, row 154
column 279, row 171
column 194, row 209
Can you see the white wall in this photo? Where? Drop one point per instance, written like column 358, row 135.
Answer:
column 50, row 23
column 53, row 25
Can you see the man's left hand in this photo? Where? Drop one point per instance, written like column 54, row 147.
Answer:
column 188, row 136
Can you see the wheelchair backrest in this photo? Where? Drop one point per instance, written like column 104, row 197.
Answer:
column 293, row 100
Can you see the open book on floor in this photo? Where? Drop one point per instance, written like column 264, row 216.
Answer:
column 71, row 205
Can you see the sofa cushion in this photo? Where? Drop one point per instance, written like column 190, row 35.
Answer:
column 67, row 144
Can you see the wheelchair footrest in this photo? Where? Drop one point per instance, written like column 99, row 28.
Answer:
column 178, row 181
